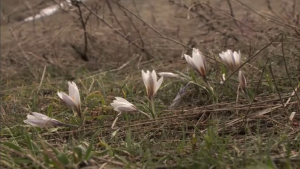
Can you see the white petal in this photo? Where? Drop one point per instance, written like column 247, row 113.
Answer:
column 145, row 78
column 74, row 93
column 237, row 58
column 115, row 104
column 203, row 62
column 122, row 99
column 30, row 117
column 242, row 80
column 41, row 120
column 229, row 52
column 40, row 116
column 154, row 76
column 190, row 61
column 60, row 94
column 69, row 101
column 168, row 74
column 125, row 108
column 120, row 102
column 34, row 124
column 158, row 84
column 197, row 59
column 221, row 55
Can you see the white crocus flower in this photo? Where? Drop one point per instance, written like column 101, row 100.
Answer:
column 168, row 74
column 242, row 81
column 73, row 99
column 197, row 61
column 151, row 83
column 122, row 105
column 41, row 120
column 231, row 59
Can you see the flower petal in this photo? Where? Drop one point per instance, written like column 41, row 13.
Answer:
column 39, row 116
column 189, row 60
column 151, row 85
column 158, row 84
column 168, row 74
column 124, row 109
column 242, row 81
column 69, row 101
column 237, row 58
column 145, row 79
column 154, row 76
column 41, row 120
column 121, row 104
column 74, row 93
column 122, row 99
column 34, row 123
column 197, row 59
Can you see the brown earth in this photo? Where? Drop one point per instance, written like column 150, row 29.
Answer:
column 27, row 47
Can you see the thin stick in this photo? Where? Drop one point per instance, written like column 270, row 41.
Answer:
column 118, row 32
column 42, row 79
column 151, row 27
column 232, row 15
column 83, row 24
column 144, row 114
column 110, row 8
column 293, row 93
column 23, row 52
column 271, row 71
column 254, row 94
column 115, row 121
column 25, row 155
column 237, row 98
column 285, row 66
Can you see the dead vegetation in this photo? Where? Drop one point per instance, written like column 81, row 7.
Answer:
column 124, row 37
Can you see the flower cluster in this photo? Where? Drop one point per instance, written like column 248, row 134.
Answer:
column 232, row 60
column 198, row 62
column 73, row 100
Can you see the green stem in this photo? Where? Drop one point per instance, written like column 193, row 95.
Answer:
column 153, row 107
column 144, row 114
column 70, row 125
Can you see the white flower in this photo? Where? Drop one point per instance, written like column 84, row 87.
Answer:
column 197, row 61
column 41, row 120
column 73, row 99
column 242, row 81
column 231, row 59
column 168, row 74
column 151, row 83
column 122, row 105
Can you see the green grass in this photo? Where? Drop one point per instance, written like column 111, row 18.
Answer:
column 210, row 128
column 200, row 133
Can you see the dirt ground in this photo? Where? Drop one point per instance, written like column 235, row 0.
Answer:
column 27, row 47
column 221, row 124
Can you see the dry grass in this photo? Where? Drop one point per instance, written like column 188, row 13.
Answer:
column 125, row 37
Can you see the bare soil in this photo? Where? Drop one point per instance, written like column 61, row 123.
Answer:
column 26, row 48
